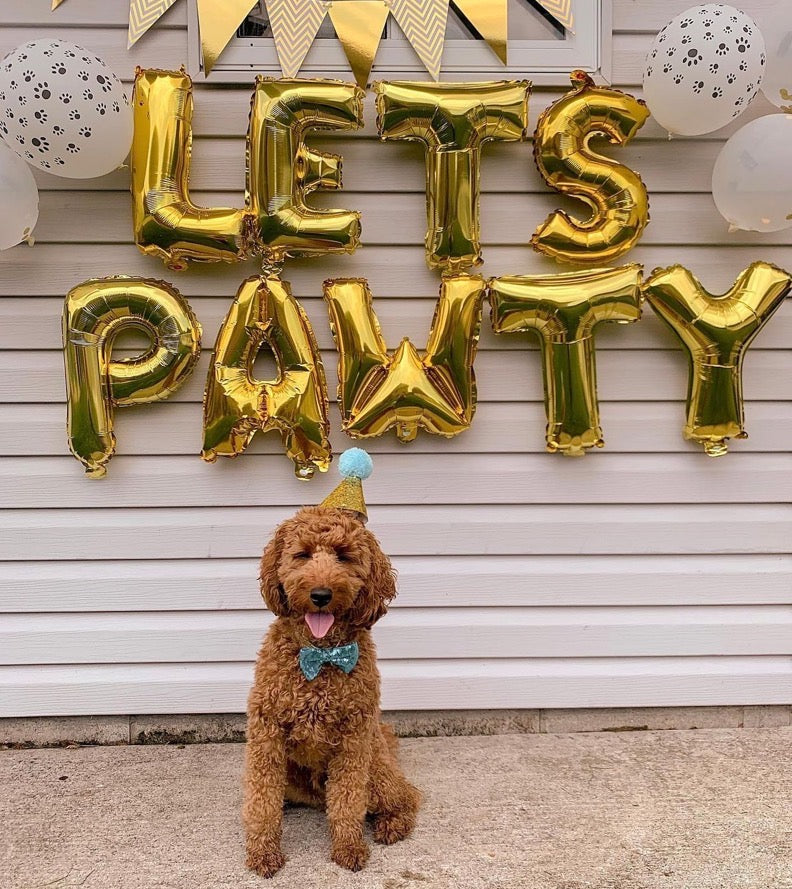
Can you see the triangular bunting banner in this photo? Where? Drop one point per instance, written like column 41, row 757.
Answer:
column 294, row 25
column 56, row 3
column 490, row 19
column 358, row 25
column 142, row 15
column 424, row 24
column 217, row 22
column 561, row 11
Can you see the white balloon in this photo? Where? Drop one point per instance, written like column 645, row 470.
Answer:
column 63, row 109
column 703, row 69
column 752, row 178
column 776, row 25
column 18, row 197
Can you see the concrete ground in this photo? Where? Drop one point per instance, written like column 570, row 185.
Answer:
column 631, row 810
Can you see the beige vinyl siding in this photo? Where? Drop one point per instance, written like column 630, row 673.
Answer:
column 645, row 574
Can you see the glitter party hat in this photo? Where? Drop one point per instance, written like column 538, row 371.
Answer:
column 354, row 465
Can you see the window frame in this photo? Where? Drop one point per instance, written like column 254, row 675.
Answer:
column 544, row 62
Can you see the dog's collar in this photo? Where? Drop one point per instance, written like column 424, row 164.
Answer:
column 312, row 659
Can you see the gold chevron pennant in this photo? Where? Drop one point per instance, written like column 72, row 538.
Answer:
column 217, row 22
column 561, row 10
column 294, row 25
column 56, row 3
column 424, row 24
column 358, row 25
column 142, row 15
column 490, row 19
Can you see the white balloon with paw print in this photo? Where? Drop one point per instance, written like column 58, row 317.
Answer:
column 703, row 69
column 63, row 110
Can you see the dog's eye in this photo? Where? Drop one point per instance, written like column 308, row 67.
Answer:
column 343, row 557
column 302, row 555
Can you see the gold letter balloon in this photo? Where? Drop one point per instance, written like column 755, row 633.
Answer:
column 95, row 312
column 564, row 311
column 716, row 330
column 282, row 170
column 378, row 390
column 236, row 405
column 617, row 196
column 453, row 121
column 167, row 224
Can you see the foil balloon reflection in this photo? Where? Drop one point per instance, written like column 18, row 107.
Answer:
column 282, row 171
column 565, row 311
column 453, row 121
column 95, row 312
column 716, row 331
column 403, row 390
column 167, row 224
column 237, row 406
column 616, row 195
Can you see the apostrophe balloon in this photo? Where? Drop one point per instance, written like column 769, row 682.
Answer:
column 95, row 312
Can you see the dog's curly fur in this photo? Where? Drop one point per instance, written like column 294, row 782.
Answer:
column 321, row 743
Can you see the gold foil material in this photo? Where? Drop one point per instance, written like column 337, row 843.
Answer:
column 616, row 195
column 218, row 21
column 347, row 495
column 237, row 406
column 453, row 121
column 358, row 25
column 282, row 171
column 491, row 19
column 167, row 224
column 403, row 390
column 564, row 312
column 716, row 330
column 94, row 313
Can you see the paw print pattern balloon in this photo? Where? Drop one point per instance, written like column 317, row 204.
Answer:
column 703, row 69
column 63, row 110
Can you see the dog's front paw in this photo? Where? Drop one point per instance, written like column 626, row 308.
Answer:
column 393, row 827
column 352, row 856
column 264, row 860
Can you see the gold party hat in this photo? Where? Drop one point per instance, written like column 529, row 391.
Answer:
column 354, row 465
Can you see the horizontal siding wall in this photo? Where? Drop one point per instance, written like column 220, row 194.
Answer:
column 645, row 574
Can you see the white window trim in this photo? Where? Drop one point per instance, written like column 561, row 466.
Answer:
column 545, row 62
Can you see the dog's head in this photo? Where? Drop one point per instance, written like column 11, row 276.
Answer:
column 325, row 570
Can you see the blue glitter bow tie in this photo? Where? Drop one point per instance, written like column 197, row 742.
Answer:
column 313, row 659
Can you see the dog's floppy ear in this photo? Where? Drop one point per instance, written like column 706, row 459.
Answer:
column 271, row 589
column 373, row 599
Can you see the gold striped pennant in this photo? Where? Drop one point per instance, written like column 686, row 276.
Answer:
column 358, row 25
column 561, row 10
column 142, row 15
column 424, row 24
column 490, row 19
column 294, row 25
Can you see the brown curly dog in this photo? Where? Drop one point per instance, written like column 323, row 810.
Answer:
column 320, row 742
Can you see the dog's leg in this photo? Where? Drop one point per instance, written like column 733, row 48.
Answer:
column 347, row 781
column 265, row 786
column 393, row 800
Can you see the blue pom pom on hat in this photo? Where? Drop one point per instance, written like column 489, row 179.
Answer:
column 354, row 465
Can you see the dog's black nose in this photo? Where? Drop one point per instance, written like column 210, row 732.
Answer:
column 321, row 596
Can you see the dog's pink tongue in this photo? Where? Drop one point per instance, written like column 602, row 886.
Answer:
column 319, row 623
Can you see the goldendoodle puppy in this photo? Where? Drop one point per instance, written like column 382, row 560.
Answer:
column 314, row 731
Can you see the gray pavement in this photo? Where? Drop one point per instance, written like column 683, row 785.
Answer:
column 629, row 810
